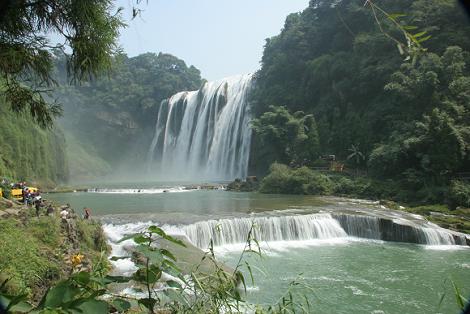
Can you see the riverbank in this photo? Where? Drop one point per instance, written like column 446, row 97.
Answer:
column 36, row 252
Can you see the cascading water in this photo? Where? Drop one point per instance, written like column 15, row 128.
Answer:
column 281, row 228
column 317, row 226
column 204, row 134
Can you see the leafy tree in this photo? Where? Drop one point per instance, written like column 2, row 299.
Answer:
column 356, row 155
column 89, row 28
column 409, row 112
column 334, row 61
column 286, row 137
column 436, row 143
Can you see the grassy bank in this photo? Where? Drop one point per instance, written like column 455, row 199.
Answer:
column 36, row 252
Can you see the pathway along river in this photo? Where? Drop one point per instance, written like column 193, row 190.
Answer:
column 337, row 245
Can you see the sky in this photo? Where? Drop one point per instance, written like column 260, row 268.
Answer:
column 220, row 37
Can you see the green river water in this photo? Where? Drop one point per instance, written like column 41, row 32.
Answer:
column 346, row 276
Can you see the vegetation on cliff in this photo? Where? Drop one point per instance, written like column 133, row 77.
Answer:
column 28, row 152
column 405, row 119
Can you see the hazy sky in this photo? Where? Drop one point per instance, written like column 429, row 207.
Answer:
column 219, row 37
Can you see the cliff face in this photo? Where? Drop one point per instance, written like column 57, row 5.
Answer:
column 28, row 152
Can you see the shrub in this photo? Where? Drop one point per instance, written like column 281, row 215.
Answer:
column 459, row 194
column 277, row 181
column 344, row 186
column 285, row 180
column 91, row 235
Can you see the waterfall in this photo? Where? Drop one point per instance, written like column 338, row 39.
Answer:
column 317, row 226
column 398, row 230
column 438, row 236
column 281, row 228
column 367, row 227
column 204, row 134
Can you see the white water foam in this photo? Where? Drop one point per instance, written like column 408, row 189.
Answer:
column 436, row 236
column 446, row 247
column 278, row 233
column 115, row 233
column 204, row 134
column 274, row 248
column 265, row 229
column 177, row 189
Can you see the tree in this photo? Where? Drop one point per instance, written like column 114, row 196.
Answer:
column 356, row 155
column 333, row 61
column 88, row 27
column 433, row 141
column 287, row 138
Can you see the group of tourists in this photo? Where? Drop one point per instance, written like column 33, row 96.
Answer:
column 31, row 196
column 66, row 211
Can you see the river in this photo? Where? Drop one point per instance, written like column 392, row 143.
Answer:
column 335, row 246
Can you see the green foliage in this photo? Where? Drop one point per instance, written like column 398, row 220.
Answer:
column 33, row 249
column 333, row 61
column 459, row 194
column 89, row 28
column 78, row 294
column 285, row 180
column 409, row 112
column 47, row 230
column 28, row 152
column 435, row 146
column 249, row 185
column 285, row 137
column 91, row 235
column 356, row 155
column 198, row 292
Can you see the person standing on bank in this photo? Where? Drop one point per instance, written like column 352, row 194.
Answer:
column 87, row 213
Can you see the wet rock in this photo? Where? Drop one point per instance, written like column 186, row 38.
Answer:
column 249, row 185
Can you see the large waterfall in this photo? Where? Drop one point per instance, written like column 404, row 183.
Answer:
column 204, row 134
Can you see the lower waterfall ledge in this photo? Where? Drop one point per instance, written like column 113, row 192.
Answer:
column 306, row 226
column 399, row 230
